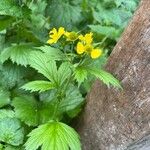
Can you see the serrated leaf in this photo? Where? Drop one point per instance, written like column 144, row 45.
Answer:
column 11, row 131
column 27, row 106
column 107, row 31
column 55, row 136
column 4, row 98
column 107, row 16
column 38, row 85
column 72, row 99
column 67, row 16
column 106, row 77
column 6, row 113
column 18, row 53
column 43, row 65
column 52, row 53
column 11, row 75
column 80, row 74
column 11, row 8
column 63, row 73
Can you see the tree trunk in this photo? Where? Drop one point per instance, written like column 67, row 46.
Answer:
column 114, row 119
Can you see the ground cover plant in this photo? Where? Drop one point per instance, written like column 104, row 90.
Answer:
column 50, row 54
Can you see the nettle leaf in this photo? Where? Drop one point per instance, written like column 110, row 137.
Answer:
column 80, row 74
column 11, row 75
column 18, row 54
column 110, row 32
column 106, row 77
column 72, row 99
column 39, row 85
column 67, row 16
column 27, row 106
column 52, row 53
column 55, row 136
column 11, row 131
column 4, row 98
column 11, row 8
column 6, row 113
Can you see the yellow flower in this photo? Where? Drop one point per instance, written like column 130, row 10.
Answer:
column 87, row 39
column 71, row 36
column 95, row 53
column 80, row 48
column 55, row 35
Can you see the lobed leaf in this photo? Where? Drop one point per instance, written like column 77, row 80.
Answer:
column 18, row 53
column 106, row 77
column 53, row 135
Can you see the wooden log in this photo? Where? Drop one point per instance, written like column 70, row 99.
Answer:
column 113, row 119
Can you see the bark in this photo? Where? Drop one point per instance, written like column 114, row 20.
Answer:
column 113, row 119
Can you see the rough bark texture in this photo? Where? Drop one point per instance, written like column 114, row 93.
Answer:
column 114, row 119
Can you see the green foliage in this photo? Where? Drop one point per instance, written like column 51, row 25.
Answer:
column 6, row 113
column 67, row 16
column 53, row 135
column 40, row 86
column 11, row 131
column 4, row 98
column 32, row 112
column 44, row 85
column 18, row 54
column 106, row 77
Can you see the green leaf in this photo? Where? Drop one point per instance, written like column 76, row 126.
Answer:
column 4, row 98
column 43, row 65
column 40, row 86
column 80, row 74
column 63, row 73
column 6, row 113
column 11, row 8
column 108, row 16
column 52, row 53
column 72, row 99
column 11, row 131
column 106, row 77
column 110, row 32
column 9, row 147
column 67, row 16
column 5, row 21
column 27, row 106
column 11, row 75
column 55, row 136
column 18, row 53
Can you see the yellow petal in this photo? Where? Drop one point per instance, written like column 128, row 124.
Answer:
column 50, row 41
column 67, row 34
column 81, row 37
column 89, row 38
column 80, row 48
column 95, row 53
column 53, row 31
column 61, row 31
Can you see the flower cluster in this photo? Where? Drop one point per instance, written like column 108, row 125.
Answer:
column 84, row 43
